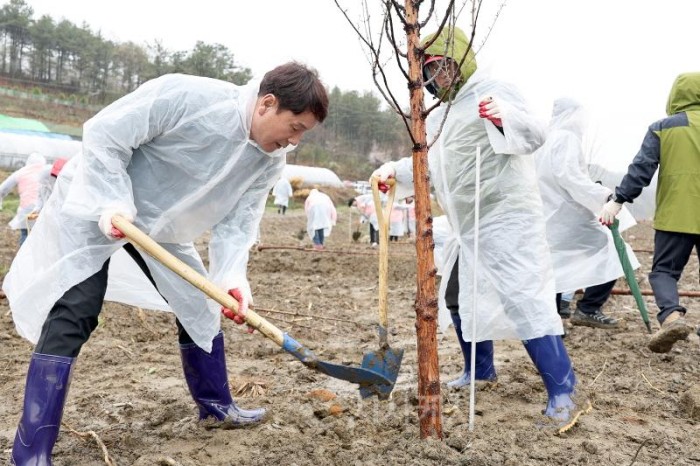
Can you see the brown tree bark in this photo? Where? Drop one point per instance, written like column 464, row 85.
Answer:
column 429, row 406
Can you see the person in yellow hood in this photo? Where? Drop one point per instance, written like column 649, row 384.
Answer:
column 515, row 281
column 672, row 145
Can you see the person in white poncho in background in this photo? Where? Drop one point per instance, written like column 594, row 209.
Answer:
column 282, row 192
column 397, row 220
column 515, row 283
column 583, row 250
column 366, row 205
column 320, row 217
column 179, row 156
column 27, row 180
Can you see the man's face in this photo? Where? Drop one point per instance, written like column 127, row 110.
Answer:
column 274, row 130
column 442, row 72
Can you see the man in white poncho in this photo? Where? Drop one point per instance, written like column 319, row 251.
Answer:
column 282, row 192
column 179, row 156
column 583, row 250
column 515, row 284
column 320, row 217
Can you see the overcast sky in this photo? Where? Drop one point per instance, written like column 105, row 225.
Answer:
column 618, row 57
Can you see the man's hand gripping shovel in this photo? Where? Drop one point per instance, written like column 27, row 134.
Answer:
column 386, row 361
column 366, row 378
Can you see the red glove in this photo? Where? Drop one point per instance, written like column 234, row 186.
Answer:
column 490, row 110
column 237, row 317
column 383, row 174
column 117, row 233
column 105, row 221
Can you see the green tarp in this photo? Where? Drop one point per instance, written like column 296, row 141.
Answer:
column 8, row 122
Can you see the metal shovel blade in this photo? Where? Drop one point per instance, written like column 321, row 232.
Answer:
column 367, row 378
column 387, row 362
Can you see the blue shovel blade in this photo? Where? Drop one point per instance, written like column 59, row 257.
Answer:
column 362, row 376
column 386, row 362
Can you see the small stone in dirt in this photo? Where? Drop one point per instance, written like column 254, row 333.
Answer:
column 333, row 410
column 690, row 402
column 336, row 410
column 590, row 447
column 322, row 394
column 457, row 443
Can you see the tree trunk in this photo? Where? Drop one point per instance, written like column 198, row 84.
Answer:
column 429, row 411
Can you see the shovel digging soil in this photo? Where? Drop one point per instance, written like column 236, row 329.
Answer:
column 386, row 360
column 366, row 377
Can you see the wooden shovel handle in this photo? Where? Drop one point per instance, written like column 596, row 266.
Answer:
column 144, row 242
column 383, row 217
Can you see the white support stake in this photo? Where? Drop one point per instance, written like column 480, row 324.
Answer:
column 472, row 363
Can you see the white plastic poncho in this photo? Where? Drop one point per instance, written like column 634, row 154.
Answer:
column 320, row 213
column 516, row 298
column 28, row 181
column 441, row 235
column 176, row 153
column 583, row 250
column 282, row 192
column 397, row 219
column 365, row 204
column 46, row 184
column 411, row 217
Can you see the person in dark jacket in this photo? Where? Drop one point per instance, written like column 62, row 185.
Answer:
column 673, row 146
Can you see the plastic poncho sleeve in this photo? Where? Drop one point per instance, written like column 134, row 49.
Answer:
column 109, row 139
column 523, row 133
column 404, row 177
column 45, row 187
column 7, row 186
column 566, row 168
column 232, row 238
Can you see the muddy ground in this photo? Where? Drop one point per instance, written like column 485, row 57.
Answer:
column 128, row 388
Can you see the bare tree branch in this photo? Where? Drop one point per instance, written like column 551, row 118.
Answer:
column 377, row 68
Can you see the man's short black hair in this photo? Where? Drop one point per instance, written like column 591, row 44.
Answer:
column 297, row 88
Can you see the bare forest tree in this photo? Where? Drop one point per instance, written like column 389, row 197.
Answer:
column 66, row 58
column 391, row 38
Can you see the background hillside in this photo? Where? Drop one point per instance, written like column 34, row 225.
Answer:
column 62, row 74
